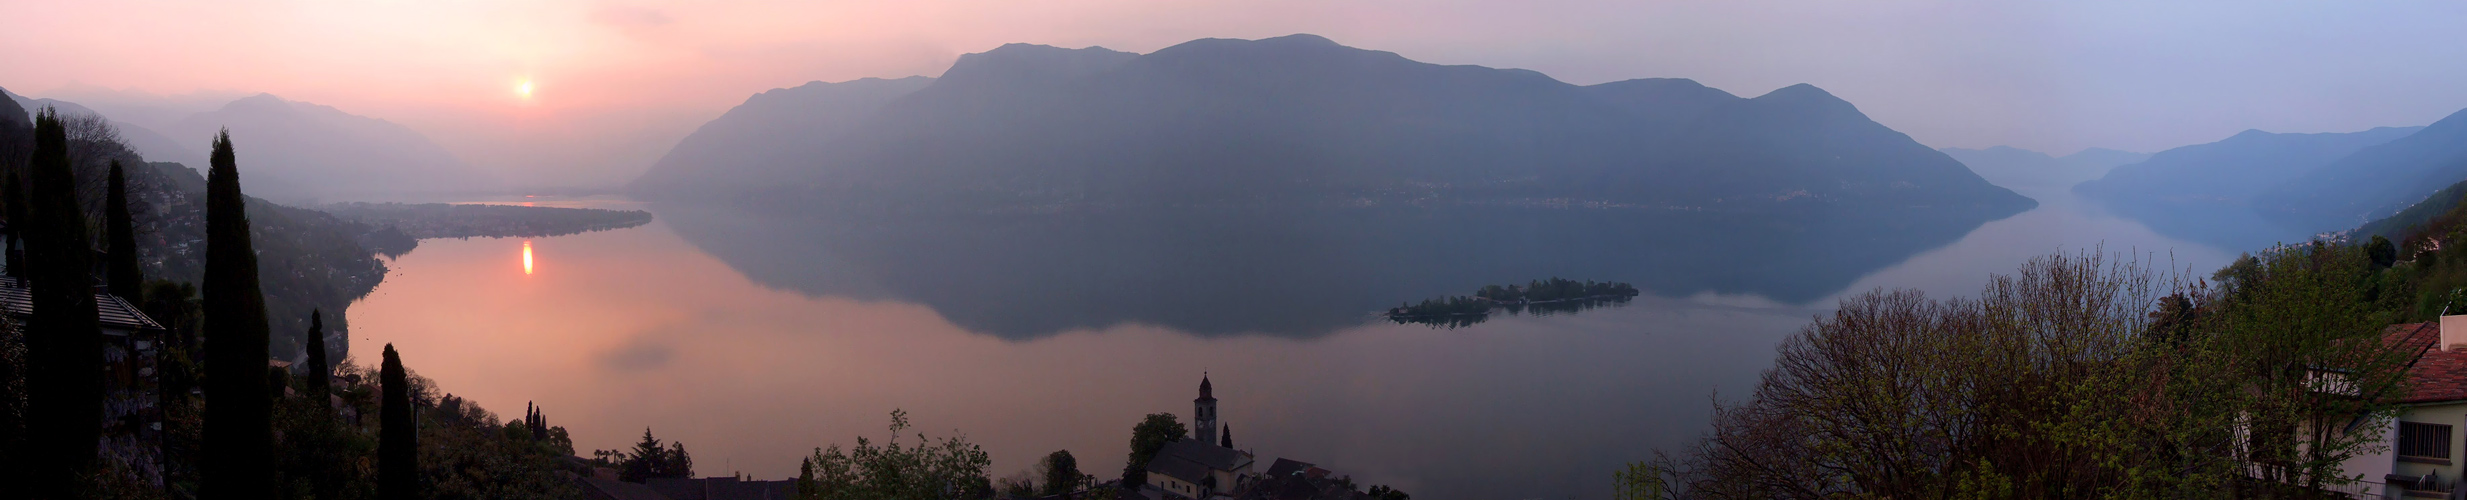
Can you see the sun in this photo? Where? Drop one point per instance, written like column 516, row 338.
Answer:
column 523, row 88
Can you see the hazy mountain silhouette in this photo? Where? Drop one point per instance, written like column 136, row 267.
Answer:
column 761, row 138
column 332, row 155
column 1300, row 119
column 145, row 140
column 2373, row 182
column 2024, row 169
column 13, row 114
column 147, row 109
column 2207, row 192
column 300, row 152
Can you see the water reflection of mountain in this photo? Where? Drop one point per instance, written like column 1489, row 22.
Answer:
column 1297, row 273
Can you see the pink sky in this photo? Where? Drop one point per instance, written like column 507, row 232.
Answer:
column 621, row 81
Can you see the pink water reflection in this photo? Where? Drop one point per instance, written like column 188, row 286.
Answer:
column 638, row 328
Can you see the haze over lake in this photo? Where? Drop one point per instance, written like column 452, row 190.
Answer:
column 755, row 346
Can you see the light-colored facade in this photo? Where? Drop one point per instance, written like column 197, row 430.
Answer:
column 2423, row 452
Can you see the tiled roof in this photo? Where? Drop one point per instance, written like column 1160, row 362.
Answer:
column 607, row 489
column 722, row 488
column 17, row 300
column 2439, row 375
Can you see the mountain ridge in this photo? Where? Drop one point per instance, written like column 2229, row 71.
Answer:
column 2376, row 181
column 1298, row 118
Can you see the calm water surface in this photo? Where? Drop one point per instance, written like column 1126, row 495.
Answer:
column 754, row 340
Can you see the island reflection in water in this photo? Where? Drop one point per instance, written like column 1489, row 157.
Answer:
column 756, row 338
column 637, row 328
column 1291, row 273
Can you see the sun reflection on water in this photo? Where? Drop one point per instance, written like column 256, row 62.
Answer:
column 526, row 257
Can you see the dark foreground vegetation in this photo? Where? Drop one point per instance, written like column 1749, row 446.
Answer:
column 2080, row 376
column 1540, row 297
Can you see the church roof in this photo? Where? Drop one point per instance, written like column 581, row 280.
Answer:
column 1207, row 392
column 1190, row 460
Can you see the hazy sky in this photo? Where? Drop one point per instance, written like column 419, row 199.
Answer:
column 618, row 82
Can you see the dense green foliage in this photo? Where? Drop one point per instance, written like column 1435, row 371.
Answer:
column 1148, row 438
column 2416, row 217
column 239, row 434
column 2421, row 268
column 64, row 400
column 2075, row 377
column 931, row 469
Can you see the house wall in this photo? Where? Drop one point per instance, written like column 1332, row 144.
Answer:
column 1176, row 486
column 2453, row 414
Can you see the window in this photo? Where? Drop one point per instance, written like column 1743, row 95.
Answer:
column 2420, row 440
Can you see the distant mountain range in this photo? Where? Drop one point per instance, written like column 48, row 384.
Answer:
column 298, row 152
column 1300, row 119
column 2375, row 181
column 2028, row 170
column 2258, row 188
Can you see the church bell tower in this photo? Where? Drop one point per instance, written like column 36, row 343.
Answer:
column 1203, row 412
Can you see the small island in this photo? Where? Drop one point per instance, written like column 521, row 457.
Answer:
column 395, row 228
column 1541, row 297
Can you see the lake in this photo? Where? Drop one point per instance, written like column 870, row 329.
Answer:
column 756, row 337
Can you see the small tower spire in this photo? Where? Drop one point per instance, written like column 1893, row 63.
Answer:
column 1203, row 411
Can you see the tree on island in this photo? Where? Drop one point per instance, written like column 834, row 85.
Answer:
column 64, row 342
column 239, row 432
column 1148, row 438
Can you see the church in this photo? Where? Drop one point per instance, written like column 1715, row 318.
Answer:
column 1206, row 465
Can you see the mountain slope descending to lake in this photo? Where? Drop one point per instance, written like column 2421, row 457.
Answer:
column 154, row 145
column 1299, row 119
column 307, row 260
column 2025, row 169
column 316, row 152
column 2373, row 182
column 2206, row 192
column 760, row 138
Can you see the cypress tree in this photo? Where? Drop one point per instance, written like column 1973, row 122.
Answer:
column 1227, row 437
column 398, row 458
column 121, row 233
column 13, row 208
column 239, row 431
column 320, row 374
column 64, row 339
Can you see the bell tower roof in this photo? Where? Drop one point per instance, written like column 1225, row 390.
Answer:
column 1207, row 391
